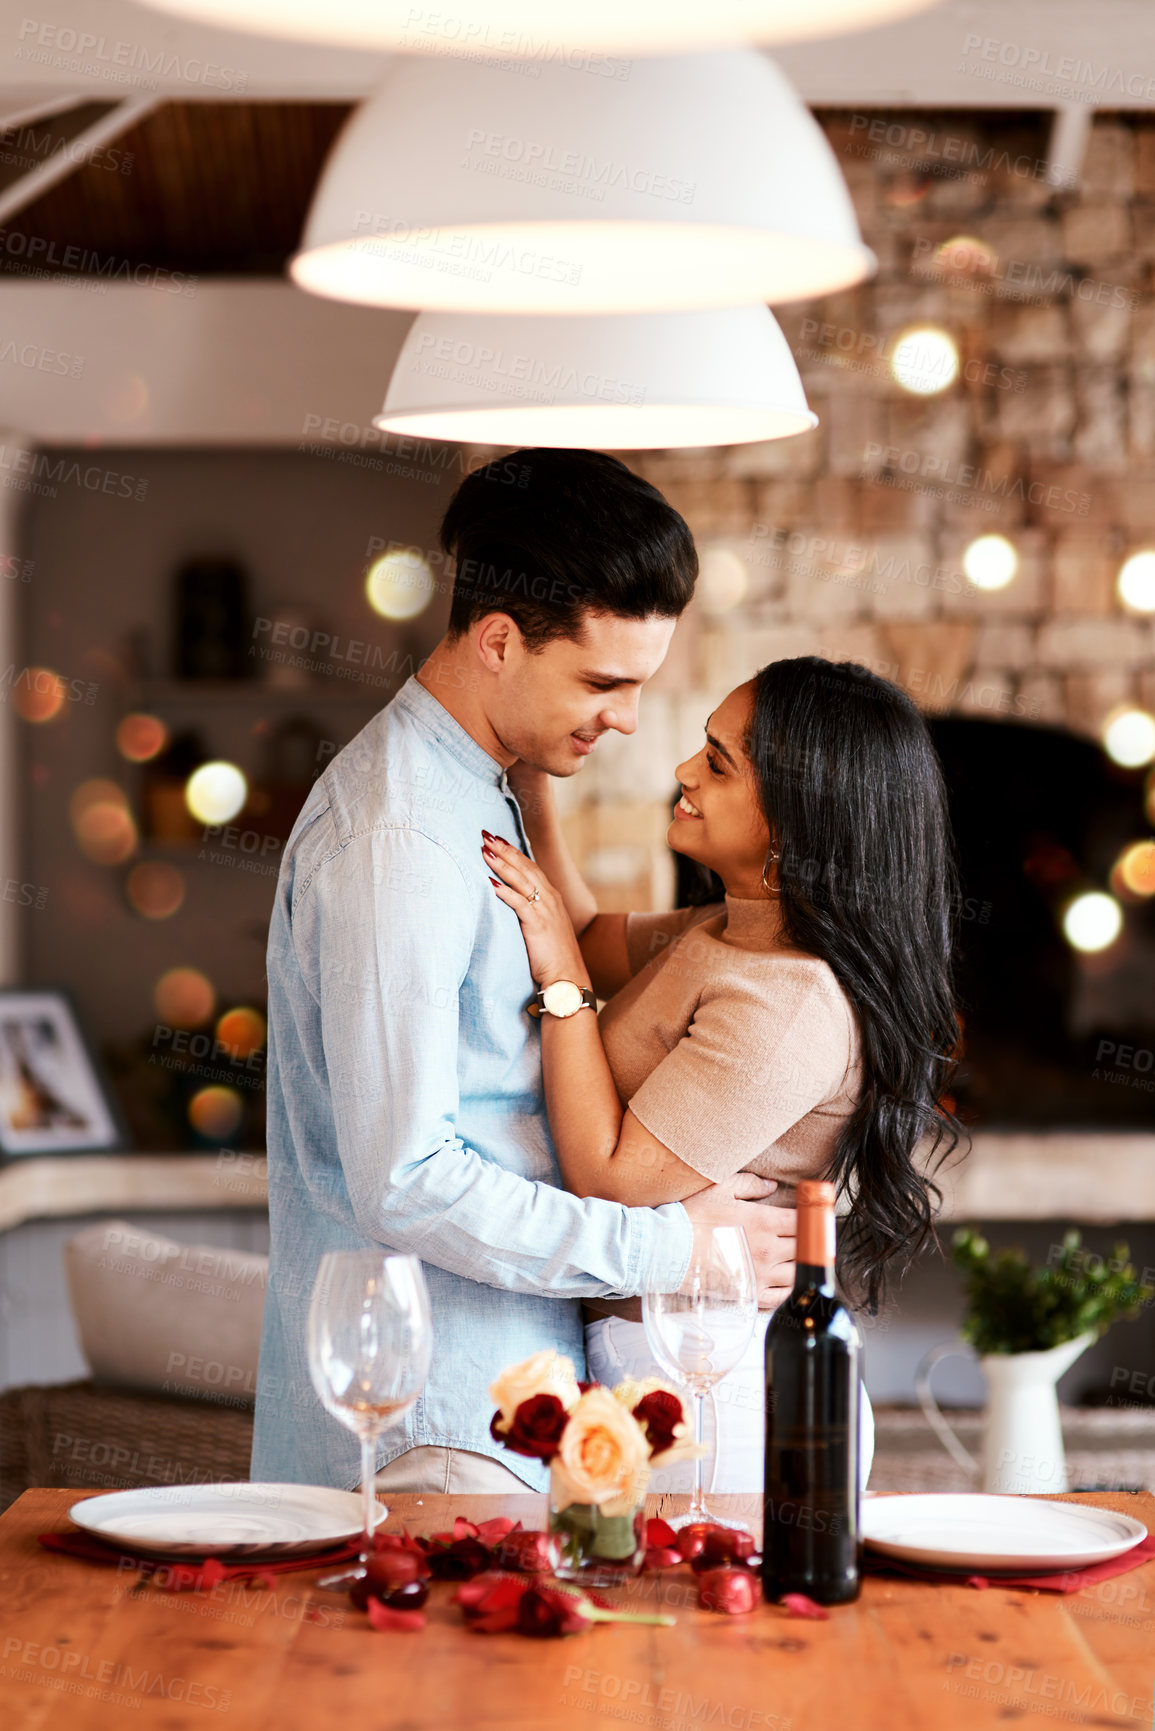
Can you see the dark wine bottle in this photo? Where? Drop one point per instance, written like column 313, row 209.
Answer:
column 811, row 1539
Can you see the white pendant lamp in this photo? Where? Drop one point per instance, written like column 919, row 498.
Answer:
column 535, row 30
column 628, row 381
column 701, row 181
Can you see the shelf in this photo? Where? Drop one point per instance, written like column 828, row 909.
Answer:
column 241, row 693
column 39, row 1188
column 1088, row 1176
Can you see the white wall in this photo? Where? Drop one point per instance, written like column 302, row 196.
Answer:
column 209, row 362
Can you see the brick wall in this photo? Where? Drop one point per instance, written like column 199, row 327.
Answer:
column 847, row 541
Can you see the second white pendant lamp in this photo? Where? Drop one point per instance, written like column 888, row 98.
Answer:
column 631, row 381
column 700, row 181
column 538, row 31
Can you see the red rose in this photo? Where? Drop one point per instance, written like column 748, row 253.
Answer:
column 458, row 1560
column 735, row 1591
column 493, row 1604
column 536, row 1429
column 542, row 1612
column 658, row 1414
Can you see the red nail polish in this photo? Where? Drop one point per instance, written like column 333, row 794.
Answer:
column 495, row 883
column 487, row 835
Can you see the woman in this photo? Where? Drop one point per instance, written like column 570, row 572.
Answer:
column 802, row 1027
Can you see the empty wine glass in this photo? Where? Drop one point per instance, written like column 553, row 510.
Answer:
column 370, row 1337
column 699, row 1333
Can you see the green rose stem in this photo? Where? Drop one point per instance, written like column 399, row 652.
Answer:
column 594, row 1613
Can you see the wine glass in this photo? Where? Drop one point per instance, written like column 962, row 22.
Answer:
column 370, row 1338
column 699, row 1333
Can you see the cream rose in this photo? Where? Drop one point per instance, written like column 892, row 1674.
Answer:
column 544, row 1373
column 603, row 1451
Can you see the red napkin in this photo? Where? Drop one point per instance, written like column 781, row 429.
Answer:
column 199, row 1575
column 1067, row 1582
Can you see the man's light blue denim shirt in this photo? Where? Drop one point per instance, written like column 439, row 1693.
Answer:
column 405, row 1099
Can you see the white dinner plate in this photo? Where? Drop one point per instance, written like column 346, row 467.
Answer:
column 974, row 1530
column 224, row 1520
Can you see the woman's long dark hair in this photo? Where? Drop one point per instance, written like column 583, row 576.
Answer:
column 853, row 792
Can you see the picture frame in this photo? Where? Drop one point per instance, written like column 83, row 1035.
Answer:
column 54, row 1096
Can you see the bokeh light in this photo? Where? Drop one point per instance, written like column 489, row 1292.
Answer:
column 242, row 1030
column 1092, row 921
column 1149, row 800
column 723, row 580
column 215, row 1112
column 1135, row 583
column 400, row 585
column 990, row 562
column 38, row 694
column 1134, row 871
column 925, row 360
column 155, row 889
column 184, row 997
column 141, row 737
column 216, row 792
column 102, row 823
column 965, row 255
column 1129, row 737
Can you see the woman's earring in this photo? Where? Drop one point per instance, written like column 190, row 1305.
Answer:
column 772, row 858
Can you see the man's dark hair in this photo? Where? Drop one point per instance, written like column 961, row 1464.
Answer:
column 550, row 535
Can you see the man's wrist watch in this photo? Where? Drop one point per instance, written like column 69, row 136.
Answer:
column 561, row 998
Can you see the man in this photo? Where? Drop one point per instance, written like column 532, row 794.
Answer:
column 406, row 1106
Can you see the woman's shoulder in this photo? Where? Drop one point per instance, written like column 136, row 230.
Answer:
column 780, row 991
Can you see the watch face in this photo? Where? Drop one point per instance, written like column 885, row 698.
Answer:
column 562, row 998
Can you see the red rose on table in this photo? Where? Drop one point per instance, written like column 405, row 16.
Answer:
column 536, row 1428
column 459, row 1560
column 658, row 1414
column 493, row 1604
column 735, row 1591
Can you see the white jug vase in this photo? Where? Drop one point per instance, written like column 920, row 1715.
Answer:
column 1022, row 1438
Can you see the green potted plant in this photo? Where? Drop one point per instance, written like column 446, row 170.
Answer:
column 1028, row 1325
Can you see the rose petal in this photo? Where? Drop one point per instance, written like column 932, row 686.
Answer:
column 492, row 1532
column 798, row 1605
column 490, row 1592
column 382, row 1617
column 660, row 1535
column 463, row 1529
column 662, row 1557
column 495, row 1622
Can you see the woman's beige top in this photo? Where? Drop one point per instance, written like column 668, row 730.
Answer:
column 736, row 1050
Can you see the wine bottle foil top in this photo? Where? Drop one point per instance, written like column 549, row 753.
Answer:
column 815, row 1243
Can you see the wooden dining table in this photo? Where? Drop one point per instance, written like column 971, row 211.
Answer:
column 85, row 1646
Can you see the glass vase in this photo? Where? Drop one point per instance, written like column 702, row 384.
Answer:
column 596, row 1545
